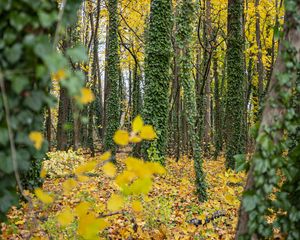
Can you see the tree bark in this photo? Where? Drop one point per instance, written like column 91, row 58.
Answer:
column 270, row 115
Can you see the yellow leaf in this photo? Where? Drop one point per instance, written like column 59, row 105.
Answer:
column 82, row 178
column 21, row 222
column 137, row 206
column 147, row 132
column 135, row 139
column 121, row 137
column 115, row 202
column 210, row 225
column 105, row 156
column 156, row 168
column 229, row 199
column 233, row 179
column 82, row 208
column 137, row 124
column 138, row 167
column 109, row 169
column 87, row 96
column 89, row 226
column 59, row 75
column 69, row 184
column 202, row 217
column 37, row 139
column 124, row 178
column 87, row 167
column 65, row 217
column 43, row 173
column 141, row 186
column 44, row 197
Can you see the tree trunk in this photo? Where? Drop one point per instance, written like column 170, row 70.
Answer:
column 271, row 115
column 63, row 112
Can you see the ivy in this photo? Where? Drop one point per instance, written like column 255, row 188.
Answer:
column 235, row 76
column 27, row 60
column 276, row 163
column 157, row 66
column 113, row 77
column 184, row 22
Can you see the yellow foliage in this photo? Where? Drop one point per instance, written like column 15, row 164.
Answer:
column 137, row 206
column 137, row 124
column 105, row 156
column 121, row 137
column 87, row 167
column 89, row 226
column 109, row 169
column 42, row 196
column 69, row 184
column 59, row 75
column 37, row 138
column 43, row 173
column 82, row 208
column 65, row 217
column 148, row 133
column 124, row 178
column 115, row 203
column 135, row 139
column 86, row 97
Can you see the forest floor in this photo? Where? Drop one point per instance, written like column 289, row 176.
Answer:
column 168, row 212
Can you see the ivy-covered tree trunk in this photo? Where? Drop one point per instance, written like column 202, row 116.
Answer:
column 260, row 65
column 235, row 84
column 157, row 66
column 113, row 77
column 184, row 33
column 280, row 120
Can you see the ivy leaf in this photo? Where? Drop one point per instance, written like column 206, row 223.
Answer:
column 47, row 19
column 77, row 54
column 249, row 201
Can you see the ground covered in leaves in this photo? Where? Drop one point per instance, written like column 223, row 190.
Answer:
column 170, row 210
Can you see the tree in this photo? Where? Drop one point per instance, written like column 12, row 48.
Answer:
column 235, row 85
column 157, row 66
column 280, row 121
column 113, row 77
column 185, row 29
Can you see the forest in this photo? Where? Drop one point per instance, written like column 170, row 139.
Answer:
column 149, row 119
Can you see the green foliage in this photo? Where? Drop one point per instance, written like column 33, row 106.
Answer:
column 153, row 154
column 113, row 77
column 276, row 163
column 28, row 57
column 157, row 66
column 235, row 85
